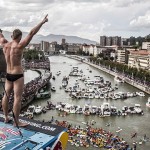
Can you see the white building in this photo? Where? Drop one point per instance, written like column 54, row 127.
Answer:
column 86, row 48
column 121, row 56
column 139, row 59
column 146, row 45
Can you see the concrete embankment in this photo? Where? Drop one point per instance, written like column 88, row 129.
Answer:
column 127, row 80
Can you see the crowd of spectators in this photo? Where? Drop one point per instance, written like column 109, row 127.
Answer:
column 32, row 88
column 94, row 137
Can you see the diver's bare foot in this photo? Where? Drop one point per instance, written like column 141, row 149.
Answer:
column 7, row 120
column 20, row 124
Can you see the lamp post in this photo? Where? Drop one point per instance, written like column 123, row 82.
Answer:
column 132, row 79
column 145, row 82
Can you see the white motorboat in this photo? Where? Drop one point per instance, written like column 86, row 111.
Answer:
column 113, row 110
column 68, row 107
column 96, row 95
column 86, row 109
column 31, row 108
column 79, row 110
column 75, row 72
column 138, row 109
column 148, row 102
column 105, row 107
column 140, row 94
column 131, row 110
column 38, row 110
column 44, row 95
column 119, row 79
column 91, row 95
column 94, row 109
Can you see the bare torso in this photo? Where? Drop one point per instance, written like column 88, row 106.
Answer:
column 13, row 56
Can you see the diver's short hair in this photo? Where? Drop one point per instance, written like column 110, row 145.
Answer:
column 1, row 30
column 16, row 34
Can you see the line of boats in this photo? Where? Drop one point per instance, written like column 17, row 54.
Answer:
column 103, row 110
column 32, row 110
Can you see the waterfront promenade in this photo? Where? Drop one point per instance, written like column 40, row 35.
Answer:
column 126, row 79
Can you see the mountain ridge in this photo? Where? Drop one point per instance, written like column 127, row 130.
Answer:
column 53, row 37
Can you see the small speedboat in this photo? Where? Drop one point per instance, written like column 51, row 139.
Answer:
column 53, row 78
column 148, row 102
column 53, row 88
column 118, row 79
column 38, row 110
column 138, row 109
column 140, row 94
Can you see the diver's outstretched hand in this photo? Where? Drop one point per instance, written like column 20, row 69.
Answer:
column 45, row 19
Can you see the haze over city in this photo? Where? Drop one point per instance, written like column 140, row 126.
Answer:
column 83, row 18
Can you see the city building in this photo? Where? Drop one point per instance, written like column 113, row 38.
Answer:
column 34, row 46
column 85, row 48
column 44, row 46
column 63, row 41
column 102, row 40
column 121, row 56
column 73, row 48
column 64, row 45
column 146, row 45
column 139, row 59
column 109, row 41
column 116, row 40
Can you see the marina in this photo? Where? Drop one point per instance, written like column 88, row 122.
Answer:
column 129, row 124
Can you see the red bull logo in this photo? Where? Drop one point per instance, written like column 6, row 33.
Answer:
column 5, row 131
column 3, row 136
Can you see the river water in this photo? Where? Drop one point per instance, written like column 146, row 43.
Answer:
column 129, row 124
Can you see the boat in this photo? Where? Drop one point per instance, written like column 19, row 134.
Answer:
column 43, row 95
column 75, row 72
column 119, row 79
column 94, row 110
column 58, row 73
column 148, row 102
column 86, row 109
column 140, row 94
column 138, row 109
column 53, row 78
column 35, row 136
column 65, row 81
column 105, row 107
column 38, row 109
column 31, row 108
column 53, row 89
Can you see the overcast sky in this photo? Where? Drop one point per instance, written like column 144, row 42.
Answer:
column 85, row 18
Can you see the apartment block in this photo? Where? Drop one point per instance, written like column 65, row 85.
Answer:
column 109, row 41
column 146, row 45
column 139, row 59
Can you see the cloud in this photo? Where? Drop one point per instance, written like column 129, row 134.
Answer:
column 85, row 18
column 141, row 21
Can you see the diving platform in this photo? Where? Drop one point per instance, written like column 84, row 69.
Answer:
column 35, row 136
